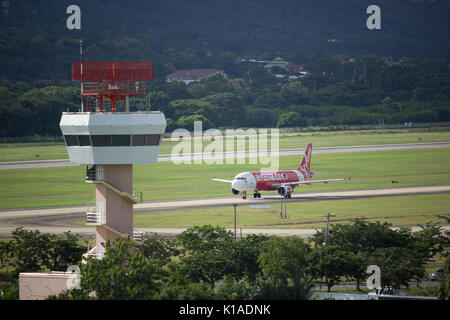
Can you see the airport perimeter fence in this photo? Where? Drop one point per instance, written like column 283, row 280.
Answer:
column 405, row 125
column 37, row 138
column 31, row 139
column 353, row 296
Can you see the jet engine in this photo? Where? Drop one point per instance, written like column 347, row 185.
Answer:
column 235, row 192
column 285, row 191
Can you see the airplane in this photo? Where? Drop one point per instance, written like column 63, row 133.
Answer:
column 282, row 181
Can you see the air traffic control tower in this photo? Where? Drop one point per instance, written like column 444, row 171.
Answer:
column 108, row 139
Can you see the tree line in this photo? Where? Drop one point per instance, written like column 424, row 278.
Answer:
column 35, row 43
column 206, row 262
column 338, row 91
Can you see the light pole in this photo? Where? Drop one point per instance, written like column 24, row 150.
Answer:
column 235, row 236
column 326, row 229
column 283, row 198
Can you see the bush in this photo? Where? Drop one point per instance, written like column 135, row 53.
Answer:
column 291, row 119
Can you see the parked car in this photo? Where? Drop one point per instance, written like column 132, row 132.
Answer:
column 437, row 274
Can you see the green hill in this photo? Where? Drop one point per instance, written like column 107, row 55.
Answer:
column 35, row 43
column 398, row 74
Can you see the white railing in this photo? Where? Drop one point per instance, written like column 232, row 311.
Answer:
column 93, row 253
column 95, row 218
column 138, row 235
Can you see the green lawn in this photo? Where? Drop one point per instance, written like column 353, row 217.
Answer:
column 25, row 188
column 32, row 151
column 401, row 210
column 54, row 150
column 367, row 170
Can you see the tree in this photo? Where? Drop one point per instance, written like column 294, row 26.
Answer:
column 400, row 254
column 171, row 125
column 389, row 103
column 176, row 90
column 178, row 286
column 239, row 87
column 207, row 253
column 231, row 289
column 261, row 117
column 187, row 122
column 368, row 69
column 284, row 265
column 398, row 265
column 5, row 254
column 213, row 84
column 34, row 251
column 245, row 257
column 331, row 263
column 159, row 100
column 123, row 273
column 64, row 252
column 291, row 119
column 294, row 92
column 229, row 107
column 188, row 107
column 155, row 247
column 444, row 290
column 431, row 239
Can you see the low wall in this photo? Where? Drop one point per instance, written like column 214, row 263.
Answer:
column 40, row 285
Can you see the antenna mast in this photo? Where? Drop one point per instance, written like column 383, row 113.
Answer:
column 81, row 74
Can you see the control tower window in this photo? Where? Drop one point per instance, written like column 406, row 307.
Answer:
column 138, row 140
column 84, row 141
column 152, row 139
column 101, row 141
column 146, row 139
column 71, row 141
column 121, row 140
column 113, row 140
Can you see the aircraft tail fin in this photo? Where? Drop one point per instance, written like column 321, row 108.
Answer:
column 305, row 164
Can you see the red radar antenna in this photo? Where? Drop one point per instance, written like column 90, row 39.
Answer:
column 110, row 82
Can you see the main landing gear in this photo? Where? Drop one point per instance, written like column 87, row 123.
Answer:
column 255, row 195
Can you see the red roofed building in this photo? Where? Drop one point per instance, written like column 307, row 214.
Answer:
column 188, row 76
column 294, row 67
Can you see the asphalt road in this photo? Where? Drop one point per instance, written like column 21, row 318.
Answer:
column 226, row 155
column 56, row 219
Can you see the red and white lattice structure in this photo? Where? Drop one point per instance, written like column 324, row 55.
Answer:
column 108, row 82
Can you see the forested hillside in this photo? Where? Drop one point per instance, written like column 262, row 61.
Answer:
column 356, row 76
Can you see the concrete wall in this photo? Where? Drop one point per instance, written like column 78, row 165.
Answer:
column 120, row 176
column 38, row 286
column 118, row 210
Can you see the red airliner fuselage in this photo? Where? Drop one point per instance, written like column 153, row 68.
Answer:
column 283, row 181
column 266, row 179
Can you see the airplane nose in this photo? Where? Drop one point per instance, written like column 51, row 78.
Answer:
column 236, row 185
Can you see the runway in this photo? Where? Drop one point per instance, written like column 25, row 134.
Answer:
column 226, row 155
column 55, row 219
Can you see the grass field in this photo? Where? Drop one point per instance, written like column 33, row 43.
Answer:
column 399, row 211
column 26, row 188
column 54, row 150
column 396, row 210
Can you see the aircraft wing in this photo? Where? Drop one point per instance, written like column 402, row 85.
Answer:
column 276, row 185
column 223, row 180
